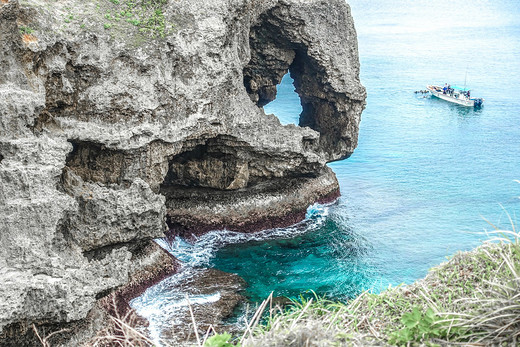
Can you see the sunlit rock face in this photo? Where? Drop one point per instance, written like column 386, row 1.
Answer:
column 110, row 136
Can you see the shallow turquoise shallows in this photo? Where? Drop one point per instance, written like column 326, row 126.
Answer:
column 426, row 174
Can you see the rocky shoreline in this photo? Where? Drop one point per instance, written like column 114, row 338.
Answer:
column 275, row 204
column 111, row 128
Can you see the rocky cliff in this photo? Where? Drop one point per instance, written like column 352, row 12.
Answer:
column 122, row 120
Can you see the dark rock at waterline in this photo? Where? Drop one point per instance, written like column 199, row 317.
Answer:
column 281, row 301
column 207, row 282
column 106, row 130
column 272, row 204
column 214, row 296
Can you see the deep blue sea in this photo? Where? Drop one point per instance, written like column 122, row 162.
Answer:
column 427, row 178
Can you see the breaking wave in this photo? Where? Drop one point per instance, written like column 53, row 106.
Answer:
column 165, row 303
column 200, row 251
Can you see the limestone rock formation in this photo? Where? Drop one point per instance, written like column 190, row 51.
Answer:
column 120, row 120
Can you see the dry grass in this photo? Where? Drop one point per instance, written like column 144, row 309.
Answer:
column 120, row 331
column 45, row 340
column 28, row 38
column 473, row 299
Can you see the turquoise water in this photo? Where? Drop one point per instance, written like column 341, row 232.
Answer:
column 421, row 183
column 426, row 173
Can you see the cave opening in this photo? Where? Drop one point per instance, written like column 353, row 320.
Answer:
column 219, row 163
column 287, row 104
column 205, row 166
column 282, row 78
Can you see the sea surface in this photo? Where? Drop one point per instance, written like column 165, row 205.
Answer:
column 428, row 178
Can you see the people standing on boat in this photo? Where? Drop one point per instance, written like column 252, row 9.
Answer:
column 445, row 88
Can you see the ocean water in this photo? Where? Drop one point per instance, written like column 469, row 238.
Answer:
column 428, row 178
column 426, row 174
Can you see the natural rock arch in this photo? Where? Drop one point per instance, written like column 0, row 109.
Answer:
column 281, row 42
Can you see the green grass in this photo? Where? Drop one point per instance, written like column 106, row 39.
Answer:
column 473, row 299
column 147, row 15
column 220, row 340
column 25, row 30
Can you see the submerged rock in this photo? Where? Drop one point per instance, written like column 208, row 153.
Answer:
column 118, row 117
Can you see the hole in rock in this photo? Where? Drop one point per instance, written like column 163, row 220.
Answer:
column 326, row 107
column 302, row 95
column 287, row 105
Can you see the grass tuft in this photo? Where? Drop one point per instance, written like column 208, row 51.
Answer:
column 147, row 15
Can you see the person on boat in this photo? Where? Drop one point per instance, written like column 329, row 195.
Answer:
column 445, row 88
column 468, row 94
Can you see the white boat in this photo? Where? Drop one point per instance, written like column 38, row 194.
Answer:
column 456, row 95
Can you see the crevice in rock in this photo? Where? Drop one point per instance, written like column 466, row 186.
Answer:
column 101, row 252
column 220, row 163
column 93, row 162
column 63, row 238
column 44, row 120
column 63, row 90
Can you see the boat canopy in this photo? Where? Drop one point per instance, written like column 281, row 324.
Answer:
column 460, row 88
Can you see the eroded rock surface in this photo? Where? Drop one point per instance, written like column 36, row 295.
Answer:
column 109, row 127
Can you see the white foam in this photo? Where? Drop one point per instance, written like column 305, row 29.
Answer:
column 204, row 248
column 163, row 303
